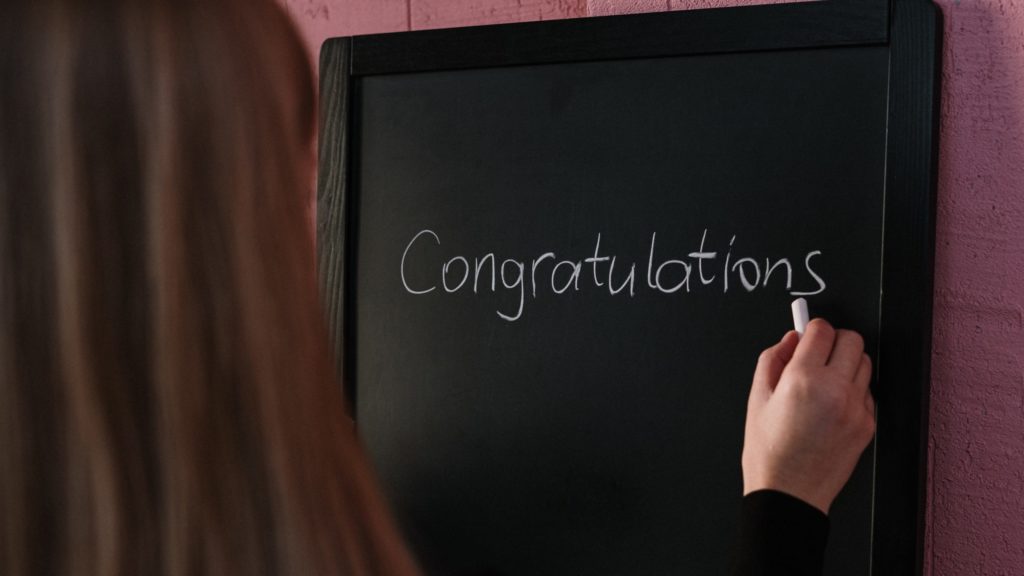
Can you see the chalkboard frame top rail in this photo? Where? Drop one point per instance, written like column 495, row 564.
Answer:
column 807, row 24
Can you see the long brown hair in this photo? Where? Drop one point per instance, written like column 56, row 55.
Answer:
column 167, row 400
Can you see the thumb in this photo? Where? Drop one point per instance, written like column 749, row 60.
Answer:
column 770, row 366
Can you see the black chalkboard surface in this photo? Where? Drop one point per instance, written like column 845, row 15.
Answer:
column 551, row 253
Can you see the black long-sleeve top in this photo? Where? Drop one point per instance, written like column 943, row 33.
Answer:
column 780, row 535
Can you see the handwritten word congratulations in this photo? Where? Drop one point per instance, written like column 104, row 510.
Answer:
column 699, row 270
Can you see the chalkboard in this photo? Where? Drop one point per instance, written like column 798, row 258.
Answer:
column 551, row 253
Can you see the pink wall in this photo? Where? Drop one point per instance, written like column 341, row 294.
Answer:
column 976, row 474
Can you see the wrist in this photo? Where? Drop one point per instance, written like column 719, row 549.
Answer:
column 811, row 495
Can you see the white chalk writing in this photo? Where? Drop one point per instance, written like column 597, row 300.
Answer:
column 665, row 275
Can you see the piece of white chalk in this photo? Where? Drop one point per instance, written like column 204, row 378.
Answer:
column 800, row 315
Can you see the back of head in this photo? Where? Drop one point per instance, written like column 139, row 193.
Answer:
column 167, row 400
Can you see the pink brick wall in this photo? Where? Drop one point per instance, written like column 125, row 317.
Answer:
column 976, row 475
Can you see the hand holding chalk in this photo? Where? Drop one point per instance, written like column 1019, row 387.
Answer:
column 810, row 414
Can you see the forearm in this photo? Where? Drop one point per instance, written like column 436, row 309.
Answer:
column 780, row 535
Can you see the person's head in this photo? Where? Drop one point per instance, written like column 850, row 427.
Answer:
column 167, row 400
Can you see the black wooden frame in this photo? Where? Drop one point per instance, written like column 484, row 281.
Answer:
column 912, row 29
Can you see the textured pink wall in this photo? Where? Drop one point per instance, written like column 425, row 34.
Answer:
column 976, row 474
column 976, row 481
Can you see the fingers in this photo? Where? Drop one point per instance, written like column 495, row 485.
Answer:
column 770, row 365
column 816, row 344
column 847, row 353
column 863, row 375
column 824, row 345
column 785, row 349
column 863, row 380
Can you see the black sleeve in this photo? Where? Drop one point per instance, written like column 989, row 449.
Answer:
column 780, row 535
